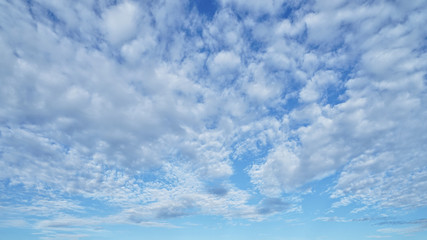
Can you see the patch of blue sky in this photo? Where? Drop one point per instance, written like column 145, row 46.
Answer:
column 279, row 110
column 240, row 177
column 288, row 10
column 207, row 8
column 201, row 227
column 278, row 227
column 335, row 95
column 17, row 232
column 134, row 232
column 243, row 158
column 97, row 207
column 15, row 193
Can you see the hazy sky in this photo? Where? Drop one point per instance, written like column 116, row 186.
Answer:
column 203, row 120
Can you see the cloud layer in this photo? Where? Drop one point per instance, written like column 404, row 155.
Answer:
column 160, row 111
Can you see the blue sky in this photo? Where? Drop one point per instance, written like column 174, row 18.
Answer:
column 227, row 119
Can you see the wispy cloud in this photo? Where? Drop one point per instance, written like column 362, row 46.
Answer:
column 378, row 236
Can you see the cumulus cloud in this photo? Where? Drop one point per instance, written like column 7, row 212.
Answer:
column 277, row 173
column 121, row 22
column 377, row 117
column 224, row 62
column 154, row 110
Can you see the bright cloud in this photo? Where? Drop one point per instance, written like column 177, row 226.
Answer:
column 158, row 114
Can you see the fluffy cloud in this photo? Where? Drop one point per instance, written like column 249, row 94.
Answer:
column 153, row 110
column 224, row 62
column 378, row 117
column 121, row 22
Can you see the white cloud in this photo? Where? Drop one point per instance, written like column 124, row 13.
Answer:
column 318, row 85
column 152, row 109
column 134, row 50
column 261, row 91
column 224, row 62
column 277, row 173
column 378, row 119
column 121, row 22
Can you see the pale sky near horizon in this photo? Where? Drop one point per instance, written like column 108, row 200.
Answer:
column 222, row 119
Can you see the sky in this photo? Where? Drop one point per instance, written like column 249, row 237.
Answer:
column 222, row 119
